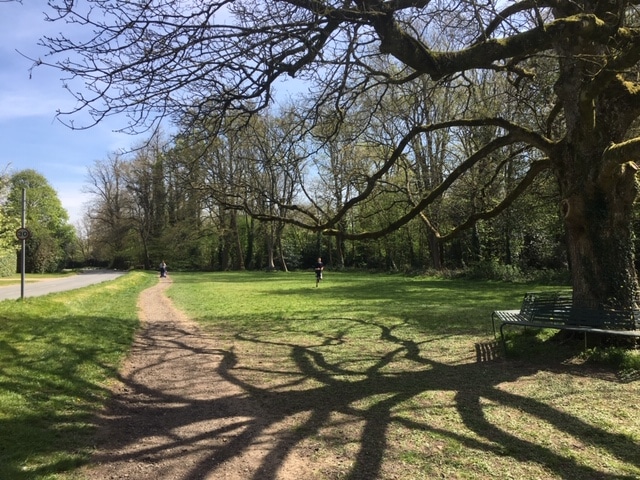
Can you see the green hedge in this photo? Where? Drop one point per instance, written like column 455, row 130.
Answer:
column 7, row 264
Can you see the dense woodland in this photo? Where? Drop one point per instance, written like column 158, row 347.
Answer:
column 168, row 200
column 173, row 201
column 150, row 205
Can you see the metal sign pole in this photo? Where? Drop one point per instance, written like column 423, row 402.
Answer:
column 24, row 242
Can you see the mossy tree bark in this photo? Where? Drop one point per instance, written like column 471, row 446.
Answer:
column 596, row 170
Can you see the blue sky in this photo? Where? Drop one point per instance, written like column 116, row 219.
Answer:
column 30, row 135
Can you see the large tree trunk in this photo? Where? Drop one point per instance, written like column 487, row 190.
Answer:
column 598, row 218
column 598, row 192
column 597, row 176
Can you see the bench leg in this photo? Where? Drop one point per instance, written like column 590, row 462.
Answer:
column 493, row 324
column 502, row 340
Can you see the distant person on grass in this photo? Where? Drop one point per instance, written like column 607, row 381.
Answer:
column 163, row 269
column 318, row 267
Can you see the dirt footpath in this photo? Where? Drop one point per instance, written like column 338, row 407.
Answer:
column 174, row 417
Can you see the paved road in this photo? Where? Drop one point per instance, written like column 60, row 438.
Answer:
column 43, row 287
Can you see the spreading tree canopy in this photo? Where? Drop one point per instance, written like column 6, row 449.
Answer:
column 51, row 236
column 565, row 76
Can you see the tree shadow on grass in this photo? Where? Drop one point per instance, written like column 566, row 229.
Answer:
column 46, row 402
column 234, row 420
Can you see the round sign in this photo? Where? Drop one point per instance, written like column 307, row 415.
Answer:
column 23, row 234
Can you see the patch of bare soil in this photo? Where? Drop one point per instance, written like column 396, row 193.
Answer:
column 174, row 415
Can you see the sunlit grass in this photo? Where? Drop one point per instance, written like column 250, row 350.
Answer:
column 57, row 354
column 32, row 277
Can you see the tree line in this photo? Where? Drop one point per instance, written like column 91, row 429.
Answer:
column 258, row 196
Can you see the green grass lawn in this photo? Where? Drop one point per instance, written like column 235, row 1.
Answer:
column 377, row 376
column 56, row 355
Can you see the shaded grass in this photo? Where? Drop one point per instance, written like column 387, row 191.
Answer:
column 384, row 376
column 56, row 354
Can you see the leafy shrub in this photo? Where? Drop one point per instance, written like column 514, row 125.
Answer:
column 494, row 270
column 548, row 276
column 616, row 357
column 7, row 264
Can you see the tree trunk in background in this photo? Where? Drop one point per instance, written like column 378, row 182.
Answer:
column 238, row 257
column 434, row 248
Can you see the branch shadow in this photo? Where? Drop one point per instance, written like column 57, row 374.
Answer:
column 151, row 426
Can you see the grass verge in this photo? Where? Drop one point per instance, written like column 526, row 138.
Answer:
column 57, row 353
column 32, row 277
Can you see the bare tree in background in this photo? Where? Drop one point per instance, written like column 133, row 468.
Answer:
column 206, row 61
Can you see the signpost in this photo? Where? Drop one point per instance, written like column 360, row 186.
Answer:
column 23, row 234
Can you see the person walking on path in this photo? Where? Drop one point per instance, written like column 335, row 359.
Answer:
column 318, row 268
column 163, row 269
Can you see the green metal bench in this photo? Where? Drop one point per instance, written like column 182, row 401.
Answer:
column 555, row 310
